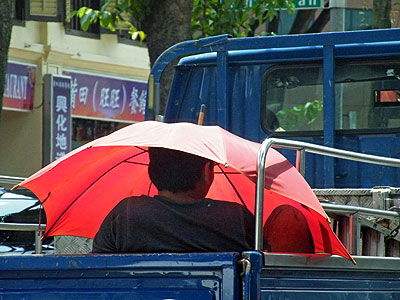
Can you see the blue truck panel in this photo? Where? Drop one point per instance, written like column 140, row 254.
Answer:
column 294, row 277
column 142, row 276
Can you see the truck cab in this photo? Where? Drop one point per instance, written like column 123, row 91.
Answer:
column 333, row 89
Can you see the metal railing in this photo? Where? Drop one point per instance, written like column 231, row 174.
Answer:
column 351, row 209
column 10, row 180
column 38, row 229
column 302, row 148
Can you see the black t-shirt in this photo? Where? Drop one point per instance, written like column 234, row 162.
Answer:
column 153, row 225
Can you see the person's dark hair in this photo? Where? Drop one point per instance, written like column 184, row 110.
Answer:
column 173, row 170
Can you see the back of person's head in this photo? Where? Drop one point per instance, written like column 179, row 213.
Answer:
column 175, row 171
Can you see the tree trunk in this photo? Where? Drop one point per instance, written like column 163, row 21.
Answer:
column 168, row 24
column 6, row 19
column 381, row 10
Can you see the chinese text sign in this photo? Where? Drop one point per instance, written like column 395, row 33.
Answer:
column 107, row 98
column 60, row 116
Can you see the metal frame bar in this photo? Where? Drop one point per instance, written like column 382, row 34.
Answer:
column 350, row 209
column 308, row 147
column 27, row 227
column 222, row 84
column 329, row 111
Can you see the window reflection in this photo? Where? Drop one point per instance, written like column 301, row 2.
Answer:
column 367, row 97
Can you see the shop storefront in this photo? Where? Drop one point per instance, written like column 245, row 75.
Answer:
column 107, row 90
column 20, row 120
column 102, row 104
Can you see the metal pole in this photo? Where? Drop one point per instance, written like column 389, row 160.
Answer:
column 379, row 213
column 317, row 149
column 27, row 227
column 338, row 153
column 38, row 241
column 301, row 161
column 259, row 209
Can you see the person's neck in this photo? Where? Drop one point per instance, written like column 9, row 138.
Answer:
column 180, row 196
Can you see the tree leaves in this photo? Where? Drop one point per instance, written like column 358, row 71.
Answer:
column 209, row 17
column 296, row 117
column 113, row 15
column 234, row 17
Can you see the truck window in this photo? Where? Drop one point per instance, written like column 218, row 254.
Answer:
column 294, row 96
column 367, row 97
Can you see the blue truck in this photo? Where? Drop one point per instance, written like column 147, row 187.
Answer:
column 336, row 89
column 308, row 93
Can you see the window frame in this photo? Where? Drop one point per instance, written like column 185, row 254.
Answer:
column 291, row 65
column 318, row 63
column 43, row 18
column 69, row 26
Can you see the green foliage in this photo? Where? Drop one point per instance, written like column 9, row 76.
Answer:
column 115, row 15
column 213, row 17
column 298, row 116
column 210, row 17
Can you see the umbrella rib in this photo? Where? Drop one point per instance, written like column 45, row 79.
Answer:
column 148, row 192
column 102, row 175
column 230, row 172
column 135, row 163
column 234, row 188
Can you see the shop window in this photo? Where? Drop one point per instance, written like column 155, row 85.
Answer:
column 20, row 12
column 41, row 10
column 86, row 130
column 74, row 26
column 125, row 37
column 367, row 97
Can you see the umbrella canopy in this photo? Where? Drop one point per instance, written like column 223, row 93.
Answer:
column 79, row 189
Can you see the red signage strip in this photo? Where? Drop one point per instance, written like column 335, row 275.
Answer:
column 19, row 87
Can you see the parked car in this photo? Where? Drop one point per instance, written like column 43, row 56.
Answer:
column 21, row 207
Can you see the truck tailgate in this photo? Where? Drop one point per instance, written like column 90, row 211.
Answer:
column 130, row 276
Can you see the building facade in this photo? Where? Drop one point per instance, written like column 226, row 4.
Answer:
column 104, row 74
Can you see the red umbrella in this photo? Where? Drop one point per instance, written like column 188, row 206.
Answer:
column 79, row 189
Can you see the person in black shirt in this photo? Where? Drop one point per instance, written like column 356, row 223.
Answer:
column 179, row 218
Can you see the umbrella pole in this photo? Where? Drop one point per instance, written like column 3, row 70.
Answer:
column 201, row 114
